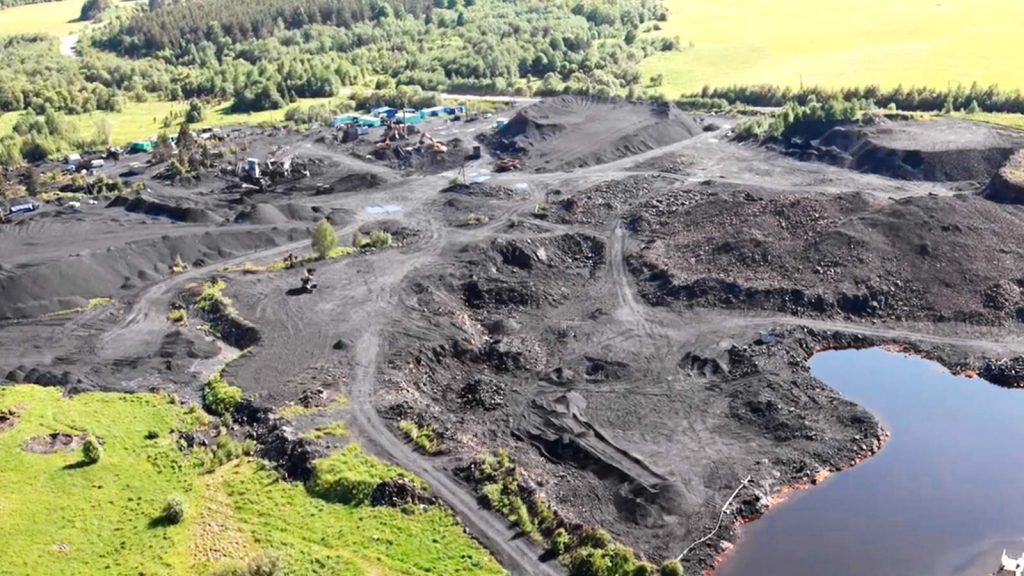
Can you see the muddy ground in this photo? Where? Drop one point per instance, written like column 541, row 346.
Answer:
column 635, row 331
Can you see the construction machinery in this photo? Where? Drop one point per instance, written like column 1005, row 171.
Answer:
column 392, row 132
column 507, row 164
column 428, row 142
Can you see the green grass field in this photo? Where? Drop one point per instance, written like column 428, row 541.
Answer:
column 833, row 43
column 60, row 517
column 57, row 18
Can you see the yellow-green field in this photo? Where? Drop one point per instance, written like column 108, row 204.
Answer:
column 57, row 18
column 833, row 43
column 142, row 120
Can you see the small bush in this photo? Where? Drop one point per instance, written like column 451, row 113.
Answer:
column 422, row 436
column 376, row 239
column 219, row 397
column 560, row 542
column 671, row 567
column 92, row 450
column 644, row 569
column 323, row 239
column 152, row 434
column 179, row 265
column 174, row 510
column 176, row 315
column 595, row 538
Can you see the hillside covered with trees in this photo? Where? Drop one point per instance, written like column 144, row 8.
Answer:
column 264, row 54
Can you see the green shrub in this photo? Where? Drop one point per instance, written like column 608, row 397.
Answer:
column 176, row 315
column 174, row 510
column 595, row 538
column 219, row 397
column 92, row 450
column 381, row 239
column 179, row 265
column 152, row 434
column 560, row 542
column 211, row 293
column 644, row 569
column 422, row 436
column 671, row 567
column 323, row 239
column 376, row 239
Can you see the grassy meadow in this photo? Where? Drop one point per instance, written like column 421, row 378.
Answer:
column 56, row 18
column 832, row 43
column 61, row 516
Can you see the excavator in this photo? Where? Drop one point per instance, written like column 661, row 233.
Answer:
column 434, row 145
column 391, row 133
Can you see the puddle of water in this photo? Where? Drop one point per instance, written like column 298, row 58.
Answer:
column 478, row 177
column 385, row 209
column 522, row 187
column 944, row 496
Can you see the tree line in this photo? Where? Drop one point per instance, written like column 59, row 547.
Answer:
column 913, row 99
column 265, row 54
column 13, row 3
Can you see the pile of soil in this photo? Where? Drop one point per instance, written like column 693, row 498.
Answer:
column 398, row 492
column 38, row 288
column 140, row 205
column 53, row 442
column 937, row 150
column 955, row 258
column 273, row 215
column 570, row 132
column 354, row 183
column 8, row 420
column 1007, row 185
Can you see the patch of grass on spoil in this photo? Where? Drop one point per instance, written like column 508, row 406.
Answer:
column 1010, row 120
column 290, row 411
column 913, row 43
column 211, row 293
column 340, row 251
column 350, row 538
column 590, row 551
column 278, row 265
column 220, row 397
column 421, row 436
column 350, row 475
column 178, row 266
column 376, row 239
column 177, row 315
column 336, row 429
column 93, row 303
column 113, row 517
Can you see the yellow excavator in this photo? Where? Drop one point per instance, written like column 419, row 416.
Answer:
column 433, row 144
